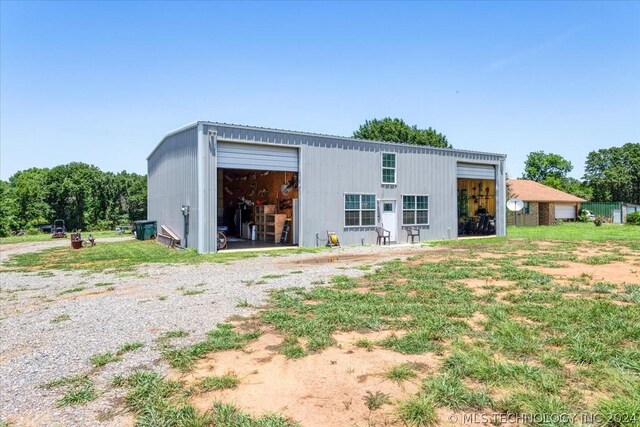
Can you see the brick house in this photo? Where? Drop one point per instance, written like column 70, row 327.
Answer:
column 543, row 205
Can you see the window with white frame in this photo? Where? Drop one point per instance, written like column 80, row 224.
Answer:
column 415, row 210
column 359, row 210
column 388, row 168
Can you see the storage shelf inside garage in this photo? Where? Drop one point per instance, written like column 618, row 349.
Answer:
column 269, row 224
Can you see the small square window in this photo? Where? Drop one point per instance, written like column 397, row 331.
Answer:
column 408, row 202
column 368, row 201
column 368, row 218
column 352, row 201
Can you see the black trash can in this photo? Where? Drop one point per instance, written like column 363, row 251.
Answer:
column 145, row 230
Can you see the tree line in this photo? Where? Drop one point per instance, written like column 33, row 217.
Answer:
column 81, row 194
column 611, row 174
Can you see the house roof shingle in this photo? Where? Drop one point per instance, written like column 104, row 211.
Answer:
column 531, row 191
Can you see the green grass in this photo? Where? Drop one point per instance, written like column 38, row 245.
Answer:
column 160, row 402
column 72, row 290
column 77, row 390
column 602, row 259
column 222, row 338
column 365, row 343
column 178, row 333
column 375, row 401
column 191, row 292
column 61, row 318
column 127, row 347
column 401, row 373
column 517, row 360
column 576, row 231
column 219, row 382
column 449, row 391
column 418, row 411
column 102, row 359
column 101, row 284
column 46, row 237
column 530, row 344
column 122, row 256
column 273, row 276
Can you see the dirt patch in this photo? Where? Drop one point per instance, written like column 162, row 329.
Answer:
column 326, row 388
column 484, row 286
column 352, row 258
column 615, row 272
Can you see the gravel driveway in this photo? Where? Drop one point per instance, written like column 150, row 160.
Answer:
column 111, row 310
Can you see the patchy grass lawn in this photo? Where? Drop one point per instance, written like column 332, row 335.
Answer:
column 122, row 256
column 486, row 326
column 45, row 237
column 576, row 231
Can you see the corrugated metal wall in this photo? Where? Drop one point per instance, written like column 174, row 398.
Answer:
column 331, row 166
column 471, row 171
column 172, row 182
column 257, row 157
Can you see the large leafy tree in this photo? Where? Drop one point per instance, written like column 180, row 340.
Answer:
column 396, row 130
column 614, row 173
column 26, row 197
column 81, row 194
column 540, row 166
column 7, row 210
column 569, row 185
column 552, row 169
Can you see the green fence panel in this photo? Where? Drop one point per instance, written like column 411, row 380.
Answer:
column 604, row 209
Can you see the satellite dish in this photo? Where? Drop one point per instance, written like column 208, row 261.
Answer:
column 515, row 205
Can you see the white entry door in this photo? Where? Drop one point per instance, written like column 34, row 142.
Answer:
column 389, row 217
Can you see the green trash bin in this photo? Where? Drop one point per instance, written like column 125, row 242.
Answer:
column 145, row 230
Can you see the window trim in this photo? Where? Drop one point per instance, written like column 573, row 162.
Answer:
column 383, row 167
column 345, row 210
column 415, row 210
column 526, row 208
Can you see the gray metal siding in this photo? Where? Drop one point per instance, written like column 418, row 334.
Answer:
column 329, row 174
column 172, row 182
column 476, row 171
column 257, row 157
column 329, row 167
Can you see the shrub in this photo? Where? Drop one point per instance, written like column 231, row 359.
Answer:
column 633, row 218
column 598, row 221
column 582, row 216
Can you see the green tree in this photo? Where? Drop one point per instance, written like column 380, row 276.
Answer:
column 81, row 194
column 7, row 210
column 75, row 192
column 27, row 195
column 396, row 130
column 614, row 173
column 540, row 166
column 569, row 185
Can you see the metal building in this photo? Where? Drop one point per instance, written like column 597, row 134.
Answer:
column 346, row 185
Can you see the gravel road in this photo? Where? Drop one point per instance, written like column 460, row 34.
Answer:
column 36, row 346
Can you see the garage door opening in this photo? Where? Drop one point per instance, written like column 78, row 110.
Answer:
column 258, row 208
column 476, row 199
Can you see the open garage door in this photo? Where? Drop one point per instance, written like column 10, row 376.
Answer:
column 476, row 171
column 257, row 157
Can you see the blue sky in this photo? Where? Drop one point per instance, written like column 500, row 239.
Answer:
column 103, row 82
